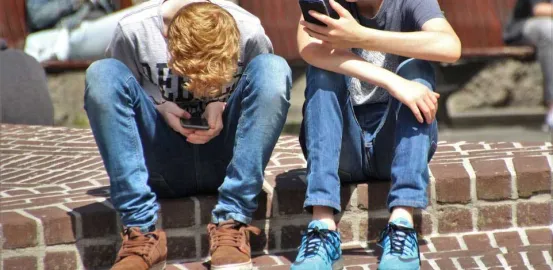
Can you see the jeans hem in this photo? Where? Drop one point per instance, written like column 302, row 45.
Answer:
column 228, row 216
column 144, row 227
column 308, row 205
column 408, row 203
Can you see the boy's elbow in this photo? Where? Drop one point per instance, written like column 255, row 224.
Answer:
column 453, row 54
column 307, row 54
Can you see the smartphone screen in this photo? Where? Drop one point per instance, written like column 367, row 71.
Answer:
column 194, row 123
column 320, row 6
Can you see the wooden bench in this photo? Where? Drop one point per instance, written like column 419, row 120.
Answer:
column 13, row 28
column 479, row 24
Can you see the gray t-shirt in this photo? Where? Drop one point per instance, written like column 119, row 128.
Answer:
column 138, row 43
column 396, row 16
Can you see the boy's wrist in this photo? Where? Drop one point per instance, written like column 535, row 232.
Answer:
column 366, row 38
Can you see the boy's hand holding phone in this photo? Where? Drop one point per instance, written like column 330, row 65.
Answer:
column 214, row 116
column 341, row 33
column 172, row 114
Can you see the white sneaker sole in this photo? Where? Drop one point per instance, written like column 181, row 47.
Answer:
column 236, row 266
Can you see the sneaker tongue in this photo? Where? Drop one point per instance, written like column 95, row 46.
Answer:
column 229, row 224
column 402, row 222
column 134, row 233
column 318, row 224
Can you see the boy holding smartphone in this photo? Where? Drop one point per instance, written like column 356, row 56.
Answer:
column 370, row 113
column 172, row 59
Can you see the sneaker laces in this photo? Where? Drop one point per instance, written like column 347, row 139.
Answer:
column 229, row 234
column 398, row 235
column 312, row 246
column 136, row 243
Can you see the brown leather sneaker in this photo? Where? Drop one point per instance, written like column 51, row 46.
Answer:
column 230, row 245
column 142, row 251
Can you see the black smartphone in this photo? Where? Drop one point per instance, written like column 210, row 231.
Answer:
column 320, row 6
column 194, row 123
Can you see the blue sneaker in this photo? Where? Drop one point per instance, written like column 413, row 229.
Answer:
column 401, row 247
column 320, row 249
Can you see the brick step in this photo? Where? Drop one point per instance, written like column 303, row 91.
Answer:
column 54, row 206
column 458, row 252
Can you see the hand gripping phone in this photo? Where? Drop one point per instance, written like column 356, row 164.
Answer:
column 320, row 6
column 194, row 123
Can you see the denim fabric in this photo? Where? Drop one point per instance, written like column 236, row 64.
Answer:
column 143, row 156
column 343, row 143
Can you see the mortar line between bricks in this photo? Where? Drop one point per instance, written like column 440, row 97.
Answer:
column 550, row 163
column 78, row 219
column 267, row 187
column 525, row 260
column 461, row 242
column 434, row 201
column 473, row 195
column 458, row 149
column 45, row 160
column 429, row 244
column 486, row 146
column 511, row 229
column 514, row 179
column 197, row 214
column 197, row 221
column 266, row 229
column 456, row 263
column 42, row 160
column 503, row 261
column 276, row 259
column 547, row 257
column 493, row 241
column 433, row 264
column 479, row 262
column 21, row 158
column 523, row 236
column 274, row 205
column 3, row 194
column 32, row 251
column 40, row 254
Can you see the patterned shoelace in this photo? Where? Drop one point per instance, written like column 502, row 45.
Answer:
column 315, row 239
column 398, row 236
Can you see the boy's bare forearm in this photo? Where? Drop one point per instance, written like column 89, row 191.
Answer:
column 342, row 61
column 428, row 45
column 543, row 10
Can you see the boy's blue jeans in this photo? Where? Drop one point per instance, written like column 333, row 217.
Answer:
column 382, row 141
column 143, row 155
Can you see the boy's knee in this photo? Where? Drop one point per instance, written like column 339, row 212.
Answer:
column 103, row 78
column 271, row 66
column 323, row 79
column 417, row 70
column 272, row 75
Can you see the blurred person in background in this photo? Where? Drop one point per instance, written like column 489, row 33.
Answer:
column 70, row 29
column 532, row 23
column 24, row 97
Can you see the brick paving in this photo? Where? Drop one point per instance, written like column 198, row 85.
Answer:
column 54, row 206
column 459, row 252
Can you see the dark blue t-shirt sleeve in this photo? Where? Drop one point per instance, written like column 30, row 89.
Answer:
column 420, row 11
